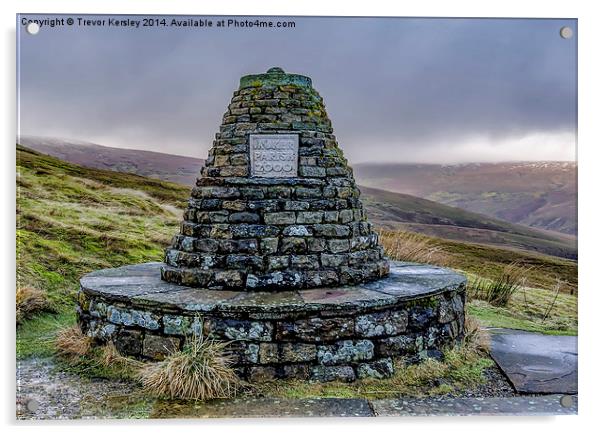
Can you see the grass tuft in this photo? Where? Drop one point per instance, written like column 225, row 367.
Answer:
column 411, row 247
column 201, row 371
column 475, row 337
column 500, row 290
column 30, row 301
column 110, row 357
column 77, row 356
column 72, row 344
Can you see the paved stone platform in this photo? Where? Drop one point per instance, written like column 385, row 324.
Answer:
column 61, row 395
column 322, row 334
column 266, row 407
column 545, row 405
column 536, row 363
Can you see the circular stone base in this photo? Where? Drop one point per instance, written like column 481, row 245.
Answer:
column 322, row 334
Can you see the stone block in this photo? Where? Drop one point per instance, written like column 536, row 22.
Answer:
column 293, row 245
column 243, row 217
column 245, row 262
column 97, row 309
column 305, row 262
column 127, row 317
column 253, row 231
column 307, row 193
column 345, row 352
column 206, row 245
column 101, row 330
column 421, row 316
column 291, row 205
column 331, row 216
column 297, row 231
column 240, row 246
column 158, row 347
column 176, row 324
column 297, row 352
column 239, row 329
column 280, row 218
column 300, row 372
column 276, row 263
column 338, row 246
column 332, row 373
column 239, row 159
column 315, row 329
column 243, row 352
column 329, row 260
column 382, row 368
column 316, row 245
column 458, row 303
column 259, row 374
column 268, row 246
column 229, row 278
column 387, row 323
column 268, row 353
column 331, row 230
column 321, row 278
column 128, row 342
column 312, row 171
column 310, row 217
column 398, row 345
column 270, row 205
column 446, row 311
column 345, row 216
column 251, row 193
column 277, row 280
column 234, row 205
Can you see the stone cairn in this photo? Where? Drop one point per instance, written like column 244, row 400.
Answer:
column 276, row 206
column 276, row 256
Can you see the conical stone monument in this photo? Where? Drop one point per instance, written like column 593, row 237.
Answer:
column 276, row 206
column 275, row 255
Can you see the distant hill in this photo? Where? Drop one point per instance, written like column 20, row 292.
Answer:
column 538, row 194
column 168, row 167
column 388, row 209
column 402, row 211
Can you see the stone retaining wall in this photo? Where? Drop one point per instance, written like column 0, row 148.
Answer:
column 331, row 344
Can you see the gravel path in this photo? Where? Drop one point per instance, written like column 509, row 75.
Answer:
column 59, row 395
column 44, row 392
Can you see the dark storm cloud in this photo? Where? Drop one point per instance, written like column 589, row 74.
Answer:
column 402, row 89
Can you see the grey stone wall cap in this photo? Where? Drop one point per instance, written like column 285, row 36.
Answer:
column 274, row 77
column 141, row 286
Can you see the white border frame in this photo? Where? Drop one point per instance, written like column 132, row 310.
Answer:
column 590, row 71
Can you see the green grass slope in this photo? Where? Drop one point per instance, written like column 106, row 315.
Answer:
column 72, row 219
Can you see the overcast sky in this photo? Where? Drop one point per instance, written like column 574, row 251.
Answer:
column 396, row 89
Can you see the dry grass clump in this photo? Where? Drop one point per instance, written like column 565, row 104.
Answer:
column 110, row 357
column 30, row 300
column 499, row 291
column 475, row 338
column 201, row 371
column 411, row 247
column 116, row 365
column 72, row 344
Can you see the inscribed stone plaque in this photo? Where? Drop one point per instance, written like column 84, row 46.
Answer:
column 274, row 155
